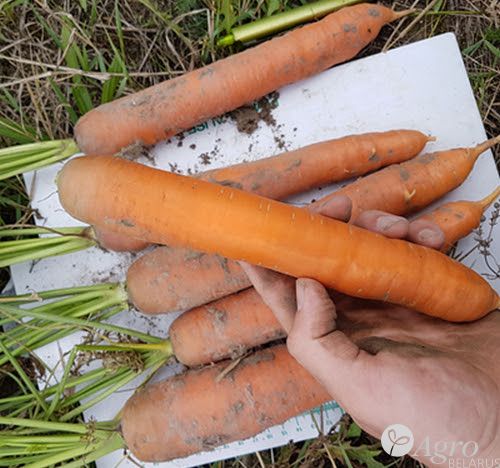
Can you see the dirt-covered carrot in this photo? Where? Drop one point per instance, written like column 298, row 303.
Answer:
column 224, row 328
column 244, row 226
column 293, row 172
column 432, row 175
column 458, row 219
column 168, row 279
column 202, row 409
column 168, row 108
column 297, row 171
column 176, row 278
column 328, row 161
column 412, row 185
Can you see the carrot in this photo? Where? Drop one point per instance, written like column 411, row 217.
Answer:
column 175, row 278
column 458, row 219
column 244, row 226
column 202, row 409
column 231, row 325
column 431, row 174
column 168, row 108
column 224, row 328
column 412, row 185
column 328, row 161
column 297, row 171
column 168, row 279
column 111, row 240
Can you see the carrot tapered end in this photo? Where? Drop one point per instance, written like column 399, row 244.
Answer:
column 485, row 145
column 488, row 200
column 400, row 14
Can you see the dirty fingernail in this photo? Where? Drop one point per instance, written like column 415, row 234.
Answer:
column 429, row 235
column 384, row 223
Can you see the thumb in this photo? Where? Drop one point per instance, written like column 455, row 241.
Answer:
column 327, row 353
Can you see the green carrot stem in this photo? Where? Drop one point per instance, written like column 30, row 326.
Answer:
column 60, row 387
column 281, row 21
column 85, row 324
column 87, row 452
column 152, row 363
column 55, row 313
column 29, row 384
column 99, row 397
column 37, row 296
column 6, row 231
column 115, row 442
column 67, row 148
column 164, row 347
column 45, row 425
column 31, row 148
column 22, row 245
column 14, row 162
column 44, row 336
column 21, row 441
column 72, row 245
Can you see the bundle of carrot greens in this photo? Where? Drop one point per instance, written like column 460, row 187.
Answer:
column 206, row 224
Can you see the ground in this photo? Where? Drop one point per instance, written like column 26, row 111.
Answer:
column 58, row 59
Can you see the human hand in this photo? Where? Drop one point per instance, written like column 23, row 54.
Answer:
column 385, row 364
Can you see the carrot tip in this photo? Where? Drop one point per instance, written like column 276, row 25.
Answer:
column 431, row 138
column 485, row 145
column 400, row 14
column 488, row 200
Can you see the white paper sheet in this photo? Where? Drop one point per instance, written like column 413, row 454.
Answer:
column 422, row 86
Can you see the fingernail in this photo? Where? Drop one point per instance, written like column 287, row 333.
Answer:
column 384, row 223
column 428, row 235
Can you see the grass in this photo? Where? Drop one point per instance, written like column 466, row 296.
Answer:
column 58, row 59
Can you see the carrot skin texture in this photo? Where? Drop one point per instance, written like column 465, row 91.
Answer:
column 292, row 172
column 168, row 108
column 223, row 329
column 321, row 163
column 244, row 226
column 458, row 219
column 197, row 411
column 116, row 242
column 412, row 185
column 167, row 280
column 177, row 278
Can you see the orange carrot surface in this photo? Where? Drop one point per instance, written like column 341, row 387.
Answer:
column 325, row 162
column 168, row 108
column 412, row 185
column 224, row 328
column 297, row 171
column 202, row 409
column 175, row 278
column 148, row 279
column 458, row 219
column 244, row 226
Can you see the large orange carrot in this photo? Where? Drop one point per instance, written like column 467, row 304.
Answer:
column 458, row 219
column 292, row 240
column 166, row 109
column 432, row 175
column 202, row 409
column 170, row 279
column 224, row 328
column 412, row 185
column 297, row 171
